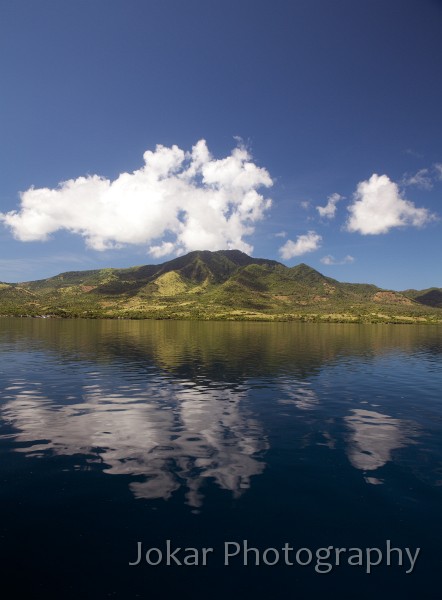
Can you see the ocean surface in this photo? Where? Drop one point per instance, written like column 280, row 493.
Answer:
column 271, row 444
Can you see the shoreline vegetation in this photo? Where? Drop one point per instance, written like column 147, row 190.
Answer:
column 264, row 318
column 226, row 285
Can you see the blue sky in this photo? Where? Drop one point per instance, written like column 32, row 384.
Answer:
column 322, row 124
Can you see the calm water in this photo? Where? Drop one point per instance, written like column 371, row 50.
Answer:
column 113, row 433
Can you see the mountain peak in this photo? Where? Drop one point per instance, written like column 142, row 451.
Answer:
column 308, row 274
column 212, row 285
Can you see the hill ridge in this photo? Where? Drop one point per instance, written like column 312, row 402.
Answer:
column 224, row 284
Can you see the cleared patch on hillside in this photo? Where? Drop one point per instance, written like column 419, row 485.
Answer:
column 170, row 284
column 391, row 298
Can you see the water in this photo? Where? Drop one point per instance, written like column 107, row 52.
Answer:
column 117, row 432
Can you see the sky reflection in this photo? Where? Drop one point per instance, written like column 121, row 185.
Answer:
column 169, row 437
column 174, row 406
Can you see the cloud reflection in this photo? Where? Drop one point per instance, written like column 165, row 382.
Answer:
column 299, row 395
column 372, row 438
column 171, row 435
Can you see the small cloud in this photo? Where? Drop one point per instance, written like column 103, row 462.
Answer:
column 330, row 260
column 281, row 234
column 421, row 179
column 305, row 204
column 162, row 249
column 378, row 207
column 438, row 169
column 329, row 210
column 304, row 243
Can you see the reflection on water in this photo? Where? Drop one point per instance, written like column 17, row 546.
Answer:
column 300, row 395
column 373, row 437
column 215, row 351
column 176, row 406
column 168, row 436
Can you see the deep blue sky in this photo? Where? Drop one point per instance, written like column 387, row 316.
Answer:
column 323, row 93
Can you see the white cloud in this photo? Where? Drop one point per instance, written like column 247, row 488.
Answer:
column 438, row 169
column 189, row 198
column 304, row 243
column 305, row 204
column 329, row 210
column 331, row 260
column 281, row 234
column 378, row 207
column 162, row 249
column 421, row 179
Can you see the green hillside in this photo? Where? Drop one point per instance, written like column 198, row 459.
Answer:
column 227, row 284
column 429, row 297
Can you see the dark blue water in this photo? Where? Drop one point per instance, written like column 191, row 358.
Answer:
column 293, row 439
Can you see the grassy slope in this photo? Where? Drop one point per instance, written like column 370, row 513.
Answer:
column 428, row 297
column 211, row 285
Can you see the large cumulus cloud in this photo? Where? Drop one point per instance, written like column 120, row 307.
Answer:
column 177, row 202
